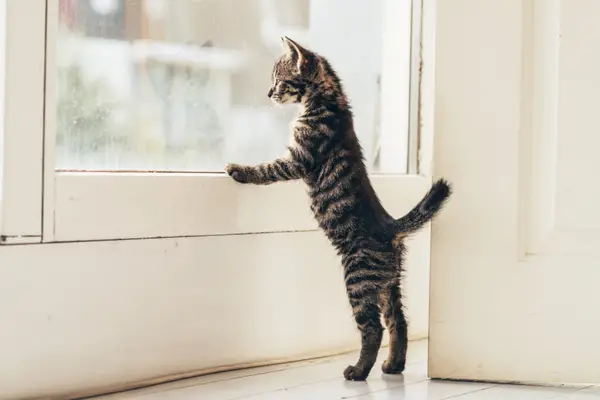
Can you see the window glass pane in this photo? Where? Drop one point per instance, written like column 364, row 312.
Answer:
column 181, row 85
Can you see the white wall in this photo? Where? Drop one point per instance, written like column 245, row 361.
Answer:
column 81, row 317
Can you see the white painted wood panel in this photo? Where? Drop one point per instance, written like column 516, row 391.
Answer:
column 106, row 206
column 499, row 313
column 50, row 120
column 87, row 316
column 21, row 133
column 577, row 195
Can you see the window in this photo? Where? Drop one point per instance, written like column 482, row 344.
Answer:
column 145, row 101
column 160, row 85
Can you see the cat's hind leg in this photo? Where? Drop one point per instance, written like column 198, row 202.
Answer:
column 368, row 318
column 393, row 314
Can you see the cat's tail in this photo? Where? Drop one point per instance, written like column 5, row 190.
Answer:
column 425, row 210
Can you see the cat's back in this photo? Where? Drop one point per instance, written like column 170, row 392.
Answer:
column 342, row 197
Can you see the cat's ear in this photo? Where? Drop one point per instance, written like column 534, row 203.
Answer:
column 297, row 53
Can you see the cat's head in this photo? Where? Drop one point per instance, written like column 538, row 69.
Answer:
column 294, row 73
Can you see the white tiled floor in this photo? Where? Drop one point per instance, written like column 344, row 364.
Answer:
column 322, row 380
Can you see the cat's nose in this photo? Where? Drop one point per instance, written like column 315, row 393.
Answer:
column 270, row 93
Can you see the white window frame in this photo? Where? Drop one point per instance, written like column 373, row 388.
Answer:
column 42, row 205
column 22, row 121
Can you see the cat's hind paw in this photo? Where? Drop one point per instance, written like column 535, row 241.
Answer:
column 353, row 373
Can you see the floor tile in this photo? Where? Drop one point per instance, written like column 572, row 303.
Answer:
column 590, row 393
column 427, row 390
column 518, row 392
column 339, row 388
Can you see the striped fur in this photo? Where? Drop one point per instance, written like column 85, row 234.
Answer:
column 326, row 154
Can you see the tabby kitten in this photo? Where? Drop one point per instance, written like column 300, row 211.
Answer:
column 326, row 154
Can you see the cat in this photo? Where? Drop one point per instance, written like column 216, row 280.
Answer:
column 325, row 153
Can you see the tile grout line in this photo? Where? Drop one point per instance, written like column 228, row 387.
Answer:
column 471, row 392
column 573, row 392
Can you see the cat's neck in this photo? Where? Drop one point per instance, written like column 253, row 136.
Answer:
column 333, row 99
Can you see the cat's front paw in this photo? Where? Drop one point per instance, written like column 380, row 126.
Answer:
column 237, row 172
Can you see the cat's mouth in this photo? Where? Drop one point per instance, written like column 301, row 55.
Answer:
column 284, row 99
column 278, row 99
